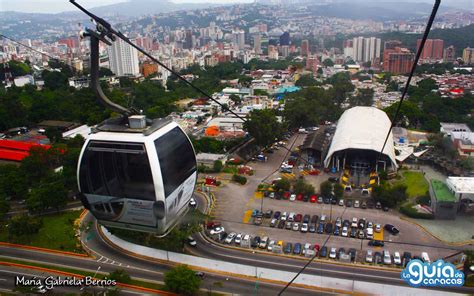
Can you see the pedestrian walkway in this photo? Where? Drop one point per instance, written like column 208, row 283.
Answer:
column 454, row 231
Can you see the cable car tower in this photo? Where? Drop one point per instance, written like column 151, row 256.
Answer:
column 133, row 172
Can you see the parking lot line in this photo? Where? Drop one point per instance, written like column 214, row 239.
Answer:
column 378, row 235
column 247, row 216
column 258, row 194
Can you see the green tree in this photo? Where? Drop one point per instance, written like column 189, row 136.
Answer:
column 54, row 80
column 236, row 99
column 183, row 280
column 217, row 166
column 390, row 195
column 328, row 63
column 338, row 190
column 4, row 207
column 326, row 188
column 22, row 225
column 282, row 184
column 306, row 80
column 50, row 193
column 365, row 97
column 121, row 276
column 303, row 187
column 12, row 182
column 263, row 126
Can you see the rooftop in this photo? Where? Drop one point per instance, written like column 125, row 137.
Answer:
column 442, row 192
column 461, row 184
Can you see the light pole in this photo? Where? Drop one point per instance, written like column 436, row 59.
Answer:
column 257, row 283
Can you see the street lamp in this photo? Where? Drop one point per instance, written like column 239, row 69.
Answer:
column 257, row 283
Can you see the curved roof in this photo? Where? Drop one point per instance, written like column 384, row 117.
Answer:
column 362, row 128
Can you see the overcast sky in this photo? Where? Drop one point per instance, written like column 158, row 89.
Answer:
column 54, row 6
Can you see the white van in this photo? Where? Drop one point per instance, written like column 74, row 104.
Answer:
column 425, row 257
column 245, row 243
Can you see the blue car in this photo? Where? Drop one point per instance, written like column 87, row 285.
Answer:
column 288, row 248
column 297, row 249
column 254, row 213
column 321, row 228
column 336, row 230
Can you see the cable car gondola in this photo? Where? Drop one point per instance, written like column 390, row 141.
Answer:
column 134, row 173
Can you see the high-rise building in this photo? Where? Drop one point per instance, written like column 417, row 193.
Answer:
column 366, row 49
column 391, row 44
column 272, row 52
column 285, row 50
column 398, row 60
column 257, row 43
column 123, row 59
column 433, row 50
column 348, row 48
column 449, row 54
column 312, row 63
column 305, row 48
column 188, row 40
column 285, row 39
column 468, row 55
column 238, row 39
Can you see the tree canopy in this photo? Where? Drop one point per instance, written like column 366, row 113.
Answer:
column 183, row 280
column 263, row 126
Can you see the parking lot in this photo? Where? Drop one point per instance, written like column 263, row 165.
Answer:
column 235, row 204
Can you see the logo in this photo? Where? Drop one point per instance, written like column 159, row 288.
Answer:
column 437, row 274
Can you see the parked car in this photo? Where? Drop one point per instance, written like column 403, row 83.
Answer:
column 370, row 204
column 387, row 259
column 340, row 252
column 369, row 233
column 333, row 201
column 321, row 228
column 255, row 242
column 230, row 238
column 217, row 230
column 288, row 225
column 271, row 195
column 284, row 216
column 349, row 203
column 263, row 243
column 238, row 239
column 356, row 204
column 354, row 222
column 353, row 232
column 397, row 260
column 304, row 227
column 328, row 227
column 305, row 198
column 299, row 197
column 298, row 218
column 353, row 254
column 257, row 221
column 323, row 218
column 378, row 228
column 312, row 228
column 313, row 198
column 277, row 215
column 385, row 209
column 291, row 217
column 337, row 230
column 326, row 200
column 425, row 257
column 392, row 229
column 369, row 257
column 314, row 219
column 378, row 258
column 268, row 214
column 270, row 245
column 361, row 223
column 306, row 218
column 406, row 258
column 344, row 231
column 332, row 253
column 297, row 249
column 346, row 223
column 293, row 197
column 341, row 202
column 192, row 202
column 307, row 246
column 376, row 243
column 323, row 252
column 360, row 234
column 338, row 221
column 296, row 226
column 320, row 199
column 281, row 224
column 363, row 205
column 370, row 225
column 288, row 248
column 255, row 212
column 273, row 222
column 378, row 205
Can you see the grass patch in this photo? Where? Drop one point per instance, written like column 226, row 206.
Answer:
column 83, row 273
column 415, row 182
column 57, row 233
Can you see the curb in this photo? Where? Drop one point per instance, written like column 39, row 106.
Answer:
column 458, row 244
column 39, row 249
column 159, row 292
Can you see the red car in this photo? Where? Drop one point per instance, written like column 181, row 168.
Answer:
column 316, row 247
column 299, row 197
column 298, row 218
column 313, row 198
column 286, row 195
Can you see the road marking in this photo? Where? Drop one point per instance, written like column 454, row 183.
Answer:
column 3, row 279
column 379, row 235
column 247, row 216
column 98, row 260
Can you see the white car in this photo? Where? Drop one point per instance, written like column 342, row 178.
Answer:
column 369, row 257
column 425, row 257
column 354, row 222
column 304, row 227
column 397, row 259
column 344, row 231
column 263, row 243
column 238, row 238
column 192, row 202
column 369, row 233
column 378, row 228
column 356, row 204
column 323, row 218
column 387, row 259
column 341, row 202
column 332, row 253
column 293, row 197
column 284, row 216
column 291, row 217
column 370, row 225
column 230, row 238
column 191, row 241
column 272, row 195
column 270, row 245
column 296, row 226
column 338, row 222
column 306, row 247
column 217, row 230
